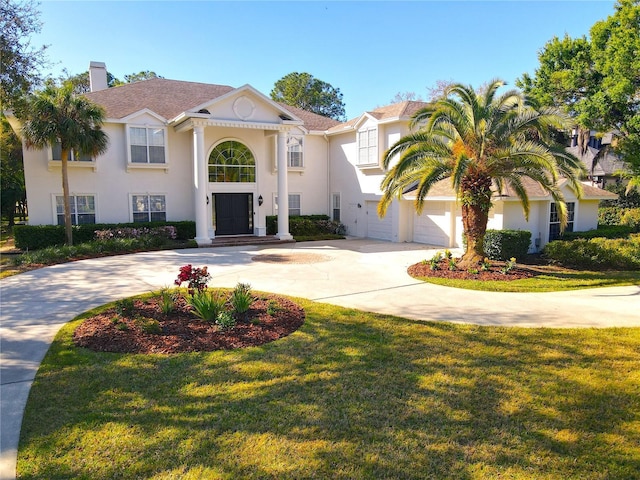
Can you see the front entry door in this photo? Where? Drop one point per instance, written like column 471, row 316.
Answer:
column 233, row 213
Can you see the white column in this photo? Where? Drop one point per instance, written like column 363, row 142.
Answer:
column 283, row 189
column 200, row 187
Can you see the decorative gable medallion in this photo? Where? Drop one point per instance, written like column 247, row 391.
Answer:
column 244, row 108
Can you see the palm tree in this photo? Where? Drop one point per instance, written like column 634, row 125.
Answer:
column 57, row 115
column 481, row 142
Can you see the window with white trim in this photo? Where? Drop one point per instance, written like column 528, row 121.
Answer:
column 368, row 146
column 295, row 202
column 335, row 206
column 232, row 161
column 147, row 145
column 56, row 154
column 554, row 220
column 148, row 208
column 295, row 151
column 83, row 209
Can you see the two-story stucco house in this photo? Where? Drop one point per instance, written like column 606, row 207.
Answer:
column 227, row 157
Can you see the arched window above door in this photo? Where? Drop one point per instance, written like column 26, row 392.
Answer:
column 232, row 161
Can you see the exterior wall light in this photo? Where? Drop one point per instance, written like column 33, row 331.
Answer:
column 260, row 201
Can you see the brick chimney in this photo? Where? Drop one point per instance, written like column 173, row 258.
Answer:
column 97, row 76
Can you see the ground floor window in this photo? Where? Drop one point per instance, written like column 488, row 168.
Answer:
column 554, row 220
column 335, row 206
column 295, row 201
column 149, row 208
column 83, row 209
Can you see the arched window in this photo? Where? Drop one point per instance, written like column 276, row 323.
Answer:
column 231, row 161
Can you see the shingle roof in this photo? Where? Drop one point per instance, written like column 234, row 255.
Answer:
column 606, row 162
column 534, row 190
column 169, row 98
column 312, row 121
column 404, row 109
column 165, row 97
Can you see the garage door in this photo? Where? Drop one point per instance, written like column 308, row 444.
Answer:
column 433, row 226
column 379, row 228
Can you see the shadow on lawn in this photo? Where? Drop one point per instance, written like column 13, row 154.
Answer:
column 349, row 396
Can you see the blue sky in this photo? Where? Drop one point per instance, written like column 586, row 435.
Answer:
column 369, row 50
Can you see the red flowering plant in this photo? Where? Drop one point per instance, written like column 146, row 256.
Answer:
column 197, row 278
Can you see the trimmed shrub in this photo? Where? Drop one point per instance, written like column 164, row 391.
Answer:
column 506, row 244
column 631, row 219
column 606, row 231
column 34, row 237
column 307, row 225
column 610, row 215
column 596, row 253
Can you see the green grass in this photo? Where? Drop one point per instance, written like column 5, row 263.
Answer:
column 549, row 282
column 351, row 395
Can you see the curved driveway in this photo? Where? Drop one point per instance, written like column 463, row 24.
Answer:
column 359, row 273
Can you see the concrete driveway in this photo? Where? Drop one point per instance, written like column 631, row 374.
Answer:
column 358, row 273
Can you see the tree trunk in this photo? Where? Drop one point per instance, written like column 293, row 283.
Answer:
column 584, row 135
column 65, row 196
column 474, row 221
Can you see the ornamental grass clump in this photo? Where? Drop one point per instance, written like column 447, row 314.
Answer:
column 241, row 298
column 207, row 305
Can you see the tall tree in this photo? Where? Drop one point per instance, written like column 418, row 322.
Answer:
column 57, row 115
column 597, row 79
column 20, row 62
column 304, row 91
column 478, row 140
column 12, row 190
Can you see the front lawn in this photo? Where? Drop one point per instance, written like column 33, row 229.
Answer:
column 350, row 395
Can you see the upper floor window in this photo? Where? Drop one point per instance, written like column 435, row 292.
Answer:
column 295, row 151
column 83, row 209
column 149, row 208
column 56, row 154
column 554, row 220
column 147, row 144
column 231, row 161
column 368, row 146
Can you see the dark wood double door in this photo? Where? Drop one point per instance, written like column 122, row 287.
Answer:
column 233, row 213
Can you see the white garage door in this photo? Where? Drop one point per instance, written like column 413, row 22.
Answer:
column 433, row 226
column 379, row 228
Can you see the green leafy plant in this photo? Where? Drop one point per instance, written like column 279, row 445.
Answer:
column 448, row 254
column 148, row 325
column 485, row 265
column 473, row 271
column 225, row 320
column 241, row 298
column 206, row 305
column 508, row 266
column 124, row 307
column 273, row 307
column 168, row 299
column 452, row 264
column 434, row 263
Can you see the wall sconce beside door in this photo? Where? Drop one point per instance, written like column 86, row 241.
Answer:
column 260, row 201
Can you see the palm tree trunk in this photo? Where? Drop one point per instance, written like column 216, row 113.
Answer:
column 65, row 197
column 474, row 221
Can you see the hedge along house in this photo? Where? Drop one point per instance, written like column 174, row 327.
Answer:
column 228, row 157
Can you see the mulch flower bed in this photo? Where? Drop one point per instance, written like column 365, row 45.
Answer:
column 423, row 269
column 270, row 317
